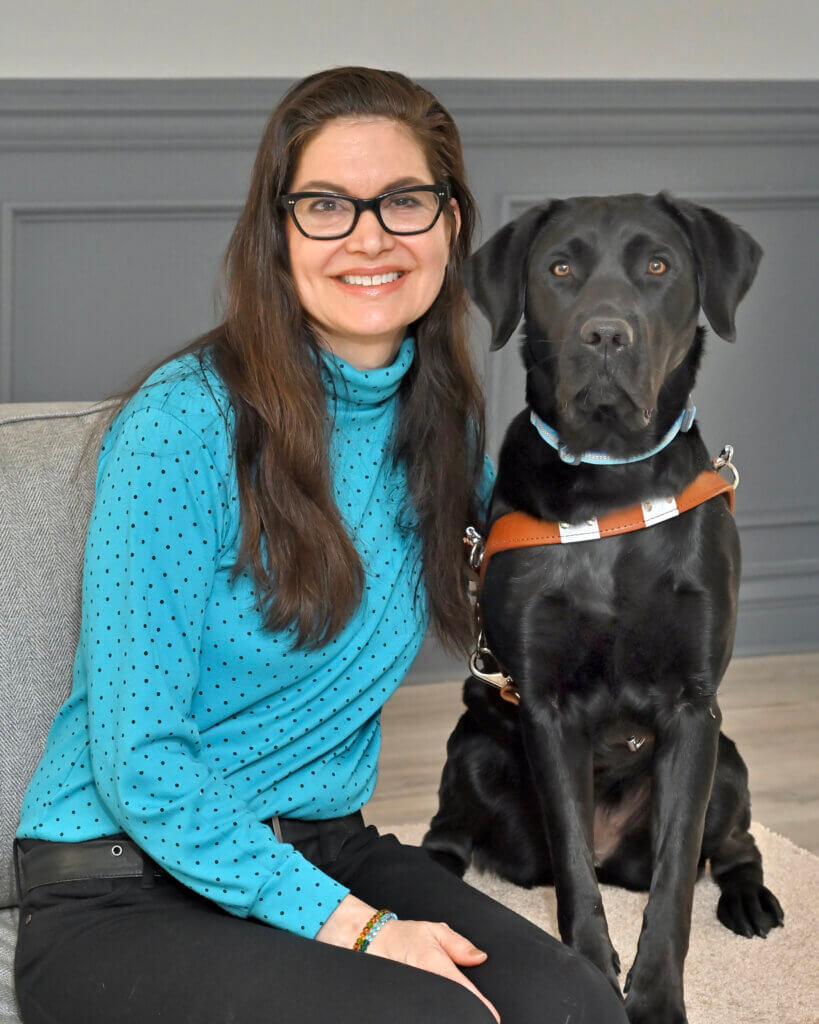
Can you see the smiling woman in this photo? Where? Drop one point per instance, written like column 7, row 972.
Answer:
column 278, row 516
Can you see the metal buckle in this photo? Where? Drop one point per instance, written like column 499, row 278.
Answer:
column 724, row 461
column 476, row 547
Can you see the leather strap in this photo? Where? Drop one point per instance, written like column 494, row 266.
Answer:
column 518, row 530
column 44, row 863
column 40, row 862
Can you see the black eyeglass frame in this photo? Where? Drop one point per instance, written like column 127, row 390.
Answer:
column 441, row 190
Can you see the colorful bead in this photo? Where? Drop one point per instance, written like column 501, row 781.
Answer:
column 372, row 927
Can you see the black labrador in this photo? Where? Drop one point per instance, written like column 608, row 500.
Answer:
column 613, row 767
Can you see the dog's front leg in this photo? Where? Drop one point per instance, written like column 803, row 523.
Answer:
column 685, row 758
column 560, row 757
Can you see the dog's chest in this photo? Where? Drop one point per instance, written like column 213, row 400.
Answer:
column 585, row 575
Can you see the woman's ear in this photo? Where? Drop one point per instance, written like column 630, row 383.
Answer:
column 457, row 210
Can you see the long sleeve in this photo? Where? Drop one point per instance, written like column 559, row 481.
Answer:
column 154, row 543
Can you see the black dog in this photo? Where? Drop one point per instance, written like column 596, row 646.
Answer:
column 613, row 767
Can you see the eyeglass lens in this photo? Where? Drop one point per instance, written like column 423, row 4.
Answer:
column 330, row 215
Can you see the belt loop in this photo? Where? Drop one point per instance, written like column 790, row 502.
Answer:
column 150, row 871
column 277, row 827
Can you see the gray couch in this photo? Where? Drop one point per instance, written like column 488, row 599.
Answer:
column 46, row 495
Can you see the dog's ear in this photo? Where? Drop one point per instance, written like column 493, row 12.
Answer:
column 495, row 275
column 726, row 257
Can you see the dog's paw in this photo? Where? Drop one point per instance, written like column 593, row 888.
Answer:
column 654, row 1008
column 749, row 909
column 653, row 996
column 596, row 946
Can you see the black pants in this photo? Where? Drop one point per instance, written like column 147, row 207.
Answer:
column 102, row 950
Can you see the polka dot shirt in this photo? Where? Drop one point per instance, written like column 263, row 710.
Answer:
column 189, row 724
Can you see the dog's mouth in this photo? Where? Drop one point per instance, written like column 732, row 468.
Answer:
column 603, row 414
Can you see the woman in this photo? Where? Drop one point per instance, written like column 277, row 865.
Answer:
column 278, row 512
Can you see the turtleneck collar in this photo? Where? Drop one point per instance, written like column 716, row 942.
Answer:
column 354, row 387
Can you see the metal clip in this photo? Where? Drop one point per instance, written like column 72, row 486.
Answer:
column 477, row 545
column 496, row 679
column 724, row 461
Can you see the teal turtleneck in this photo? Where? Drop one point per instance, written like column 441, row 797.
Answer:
column 358, row 388
column 188, row 723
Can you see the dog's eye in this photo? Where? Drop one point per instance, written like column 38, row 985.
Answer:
column 560, row 269
column 657, row 266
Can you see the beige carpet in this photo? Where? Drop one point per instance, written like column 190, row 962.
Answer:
column 728, row 979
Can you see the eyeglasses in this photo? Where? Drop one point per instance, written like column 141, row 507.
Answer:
column 403, row 211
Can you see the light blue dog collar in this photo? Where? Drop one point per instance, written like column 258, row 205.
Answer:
column 552, row 438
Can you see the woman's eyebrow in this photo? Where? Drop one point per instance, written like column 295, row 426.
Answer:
column 310, row 186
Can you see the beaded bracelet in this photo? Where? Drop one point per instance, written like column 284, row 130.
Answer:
column 372, row 928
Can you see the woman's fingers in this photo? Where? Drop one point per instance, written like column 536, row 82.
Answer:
column 448, row 969
column 460, row 950
column 458, row 946
column 432, row 947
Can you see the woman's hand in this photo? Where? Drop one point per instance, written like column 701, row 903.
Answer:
column 432, row 947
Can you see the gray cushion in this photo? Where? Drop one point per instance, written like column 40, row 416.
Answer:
column 8, row 939
column 46, row 495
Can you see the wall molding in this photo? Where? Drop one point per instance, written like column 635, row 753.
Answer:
column 88, row 114
column 514, row 204
column 14, row 214
column 782, row 568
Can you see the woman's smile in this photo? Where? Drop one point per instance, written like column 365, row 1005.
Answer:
column 375, row 283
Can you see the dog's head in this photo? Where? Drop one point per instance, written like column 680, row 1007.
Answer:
column 611, row 288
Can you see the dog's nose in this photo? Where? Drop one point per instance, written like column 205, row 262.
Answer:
column 606, row 332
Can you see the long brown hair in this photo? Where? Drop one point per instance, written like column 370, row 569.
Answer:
column 314, row 578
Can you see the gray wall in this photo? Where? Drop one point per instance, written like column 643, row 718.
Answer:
column 117, row 199
column 703, row 39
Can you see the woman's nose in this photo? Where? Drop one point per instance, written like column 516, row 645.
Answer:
column 368, row 235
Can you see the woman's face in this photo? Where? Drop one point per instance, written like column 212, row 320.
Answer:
column 365, row 325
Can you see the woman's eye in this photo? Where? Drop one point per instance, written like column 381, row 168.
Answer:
column 324, row 205
column 561, row 269
column 403, row 202
column 657, row 266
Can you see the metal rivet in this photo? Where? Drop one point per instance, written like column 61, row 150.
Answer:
column 116, row 850
column 589, row 522
column 669, row 501
column 649, row 506
column 28, row 918
column 564, row 526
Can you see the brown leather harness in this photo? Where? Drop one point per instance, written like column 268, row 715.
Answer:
column 518, row 530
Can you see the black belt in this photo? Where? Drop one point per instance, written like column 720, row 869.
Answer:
column 40, row 862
